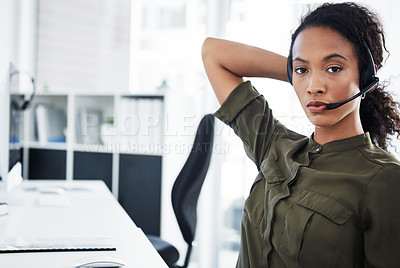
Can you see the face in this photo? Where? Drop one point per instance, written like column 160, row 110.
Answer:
column 325, row 70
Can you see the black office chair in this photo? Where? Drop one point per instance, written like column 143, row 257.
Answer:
column 186, row 191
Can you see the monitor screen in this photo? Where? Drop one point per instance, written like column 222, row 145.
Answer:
column 11, row 117
column 15, row 136
column 5, row 125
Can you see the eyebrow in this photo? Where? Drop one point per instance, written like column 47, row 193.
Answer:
column 334, row 55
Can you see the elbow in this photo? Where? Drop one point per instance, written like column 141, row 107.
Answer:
column 206, row 48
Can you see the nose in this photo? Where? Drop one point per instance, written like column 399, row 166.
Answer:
column 316, row 85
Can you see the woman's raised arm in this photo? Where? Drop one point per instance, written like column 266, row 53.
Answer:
column 227, row 62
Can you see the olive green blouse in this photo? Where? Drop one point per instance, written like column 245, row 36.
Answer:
column 336, row 205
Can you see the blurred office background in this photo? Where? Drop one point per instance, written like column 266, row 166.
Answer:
column 95, row 49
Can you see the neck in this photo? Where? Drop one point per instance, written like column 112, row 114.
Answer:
column 342, row 130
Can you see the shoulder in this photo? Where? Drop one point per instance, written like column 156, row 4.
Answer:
column 384, row 187
column 389, row 173
column 387, row 170
column 382, row 190
column 379, row 157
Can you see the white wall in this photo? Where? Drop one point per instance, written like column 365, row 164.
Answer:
column 6, row 32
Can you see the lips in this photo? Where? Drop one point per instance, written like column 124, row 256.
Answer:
column 316, row 106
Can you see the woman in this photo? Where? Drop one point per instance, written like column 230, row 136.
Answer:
column 332, row 199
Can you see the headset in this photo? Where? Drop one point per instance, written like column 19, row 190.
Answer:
column 19, row 103
column 368, row 79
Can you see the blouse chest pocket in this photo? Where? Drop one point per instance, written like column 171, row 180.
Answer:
column 312, row 227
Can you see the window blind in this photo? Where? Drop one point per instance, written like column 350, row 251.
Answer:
column 83, row 45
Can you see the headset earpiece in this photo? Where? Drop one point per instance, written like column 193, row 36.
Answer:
column 290, row 68
column 368, row 75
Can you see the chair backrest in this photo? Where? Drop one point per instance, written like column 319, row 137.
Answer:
column 187, row 186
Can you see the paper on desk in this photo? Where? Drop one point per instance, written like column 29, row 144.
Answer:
column 34, row 244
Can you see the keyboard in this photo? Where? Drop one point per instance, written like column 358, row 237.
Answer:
column 53, row 200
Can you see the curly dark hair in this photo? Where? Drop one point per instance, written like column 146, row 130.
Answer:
column 379, row 113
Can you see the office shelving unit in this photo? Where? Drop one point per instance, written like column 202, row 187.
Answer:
column 101, row 143
column 97, row 123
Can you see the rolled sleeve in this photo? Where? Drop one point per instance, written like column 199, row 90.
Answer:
column 239, row 98
column 247, row 112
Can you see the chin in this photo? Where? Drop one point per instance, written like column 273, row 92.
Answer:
column 322, row 121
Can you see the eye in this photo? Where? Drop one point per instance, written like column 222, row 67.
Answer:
column 334, row 69
column 301, row 70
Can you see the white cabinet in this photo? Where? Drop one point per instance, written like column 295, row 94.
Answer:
column 115, row 138
column 130, row 124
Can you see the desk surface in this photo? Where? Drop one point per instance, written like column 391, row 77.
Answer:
column 93, row 212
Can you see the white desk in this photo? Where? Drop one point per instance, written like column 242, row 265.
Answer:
column 94, row 212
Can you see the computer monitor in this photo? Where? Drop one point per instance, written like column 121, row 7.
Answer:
column 5, row 125
column 10, row 136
